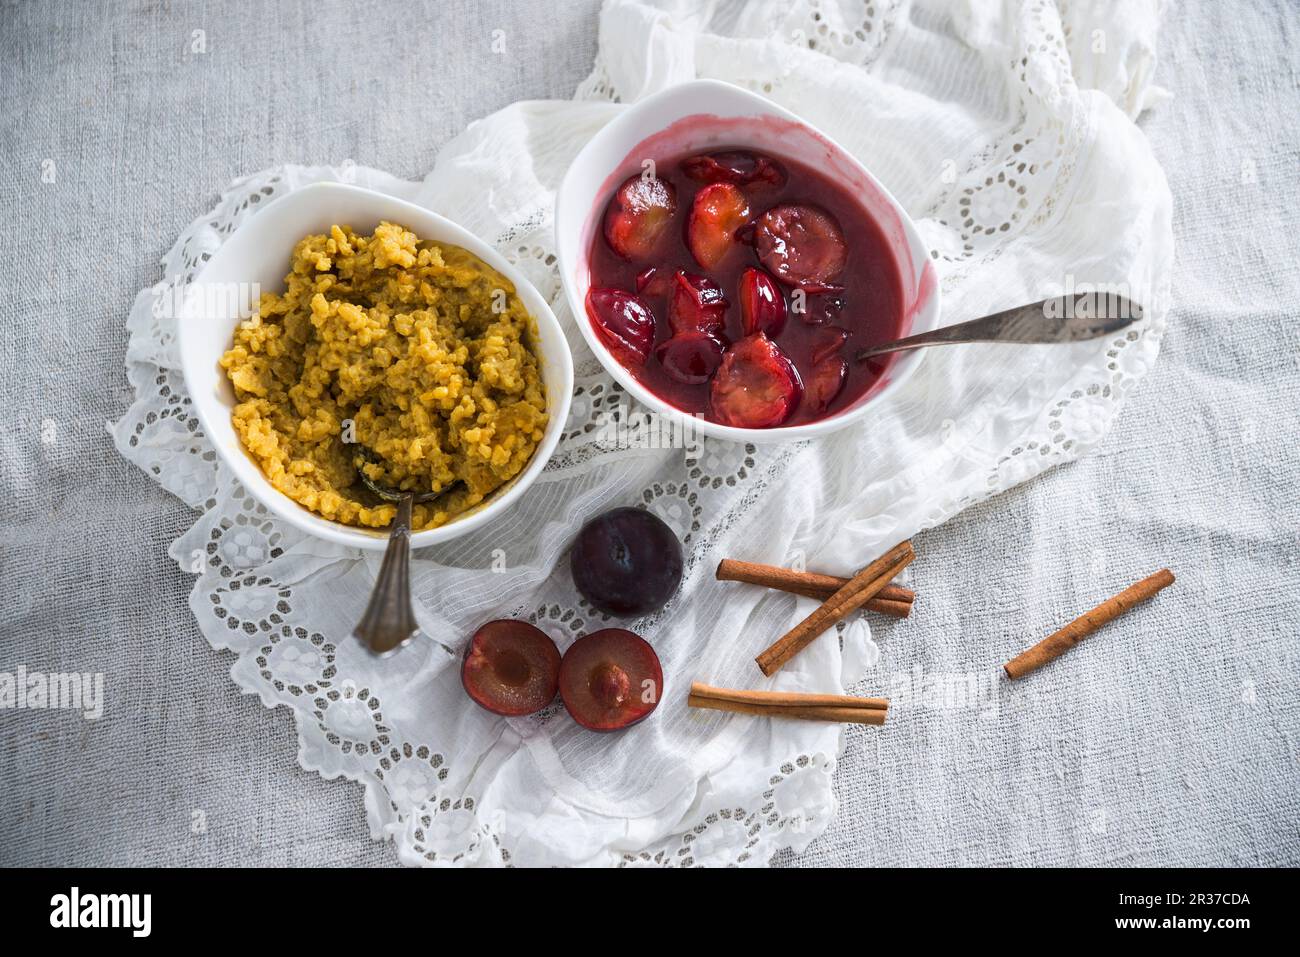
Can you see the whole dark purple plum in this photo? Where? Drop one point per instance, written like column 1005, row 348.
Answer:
column 626, row 562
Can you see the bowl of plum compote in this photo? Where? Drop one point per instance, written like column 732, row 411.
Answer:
column 725, row 261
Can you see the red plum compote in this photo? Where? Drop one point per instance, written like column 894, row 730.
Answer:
column 737, row 285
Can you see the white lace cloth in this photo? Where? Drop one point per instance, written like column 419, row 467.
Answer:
column 1007, row 131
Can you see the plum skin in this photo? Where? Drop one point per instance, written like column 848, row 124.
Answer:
column 626, row 562
column 623, row 322
column 762, row 306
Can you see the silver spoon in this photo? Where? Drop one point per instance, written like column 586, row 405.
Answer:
column 389, row 619
column 1072, row 318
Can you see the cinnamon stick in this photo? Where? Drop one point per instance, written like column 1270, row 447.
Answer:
column 1059, row 642
column 893, row 599
column 895, row 609
column 799, row 712
column 786, row 699
column 860, row 589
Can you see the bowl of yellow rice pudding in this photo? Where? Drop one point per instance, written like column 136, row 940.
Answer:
column 342, row 329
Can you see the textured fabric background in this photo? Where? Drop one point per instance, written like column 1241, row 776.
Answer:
column 1174, row 738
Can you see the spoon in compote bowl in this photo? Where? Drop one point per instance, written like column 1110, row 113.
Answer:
column 1069, row 318
column 389, row 619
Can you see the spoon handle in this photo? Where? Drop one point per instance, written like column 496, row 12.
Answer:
column 1071, row 318
column 389, row 620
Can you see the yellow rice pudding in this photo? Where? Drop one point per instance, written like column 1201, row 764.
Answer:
column 417, row 352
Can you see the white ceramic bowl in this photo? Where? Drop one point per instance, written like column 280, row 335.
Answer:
column 705, row 115
column 259, row 252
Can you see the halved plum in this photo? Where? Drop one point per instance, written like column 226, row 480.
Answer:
column 762, row 306
column 718, row 212
column 511, row 668
column 638, row 214
column 697, row 304
column 825, row 382
column 826, row 341
column 738, row 167
column 756, row 387
column 625, row 323
column 610, row 679
column 802, row 245
column 690, row 357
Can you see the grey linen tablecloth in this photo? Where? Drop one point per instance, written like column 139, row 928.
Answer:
column 1174, row 738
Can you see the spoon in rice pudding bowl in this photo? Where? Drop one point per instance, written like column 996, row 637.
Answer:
column 407, row 337
column 389, row 619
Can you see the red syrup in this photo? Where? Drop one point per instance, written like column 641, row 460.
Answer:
column 776, row 236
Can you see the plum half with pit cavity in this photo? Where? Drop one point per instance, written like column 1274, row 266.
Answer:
column 638, row 215
column 610, row 679
column 626, row 562
column 511, row 668
column 802, row 245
